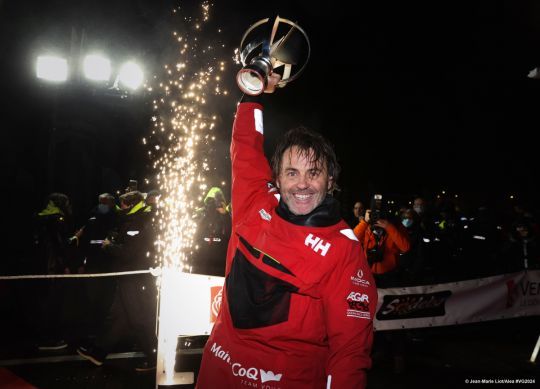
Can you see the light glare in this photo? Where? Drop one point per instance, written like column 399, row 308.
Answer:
column 131, row 75
column 97, row 68
column 52, row 68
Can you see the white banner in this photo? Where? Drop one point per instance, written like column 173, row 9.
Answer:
column 492, row 298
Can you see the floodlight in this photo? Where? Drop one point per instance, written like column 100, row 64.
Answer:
column 97, row 68
column 52, row 68
column 131, row 75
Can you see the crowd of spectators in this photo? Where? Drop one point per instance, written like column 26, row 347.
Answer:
column 449, row 242
column 424, row 241
column 94, row 313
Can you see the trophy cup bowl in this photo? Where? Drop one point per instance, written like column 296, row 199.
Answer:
column 272, row 45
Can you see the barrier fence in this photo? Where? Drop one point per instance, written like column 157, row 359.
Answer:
column 491, row 298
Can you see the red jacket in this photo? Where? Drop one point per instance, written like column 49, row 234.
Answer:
column 298, row 301
column 394, row 243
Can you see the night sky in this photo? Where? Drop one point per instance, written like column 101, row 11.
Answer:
column 416, row 98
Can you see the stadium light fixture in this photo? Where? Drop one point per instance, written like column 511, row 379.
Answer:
column 52, row 68
column 131, row 75
column 97, row 67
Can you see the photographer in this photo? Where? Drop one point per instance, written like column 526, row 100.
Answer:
column 383, row 242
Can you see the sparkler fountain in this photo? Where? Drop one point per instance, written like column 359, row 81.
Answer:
column 182, row 127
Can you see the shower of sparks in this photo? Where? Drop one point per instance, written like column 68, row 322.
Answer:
column 183, row 125
column 182, row 130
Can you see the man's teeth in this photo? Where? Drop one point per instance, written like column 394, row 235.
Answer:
column 302, row 197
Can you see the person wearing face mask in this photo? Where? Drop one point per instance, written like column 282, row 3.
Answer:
column 412, row 261
column 133, row 308
column 299, row 298
column 425, row 216
column 97, row 293
column 407, row 222
column 102, row 221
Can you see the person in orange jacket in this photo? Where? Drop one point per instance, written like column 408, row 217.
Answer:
column 383, row 242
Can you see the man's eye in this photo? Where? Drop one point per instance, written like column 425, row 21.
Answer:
column 291, row 174
column 314, row 173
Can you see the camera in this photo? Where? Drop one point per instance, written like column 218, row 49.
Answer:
column 377, row 209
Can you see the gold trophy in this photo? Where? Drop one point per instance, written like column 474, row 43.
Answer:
column 268, row 46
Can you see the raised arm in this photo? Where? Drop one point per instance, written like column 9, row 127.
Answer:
column 251, row 171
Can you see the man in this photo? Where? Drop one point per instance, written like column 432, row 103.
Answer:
column 98, row 292
column 299, row 298
column 134, row 305
column 51, row 239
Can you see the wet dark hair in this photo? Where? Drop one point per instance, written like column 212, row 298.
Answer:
column 312, row 145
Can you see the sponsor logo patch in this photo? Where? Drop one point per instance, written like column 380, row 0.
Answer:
column 358, row 305
column 358, row 279
column 358, row 314
column 408, row 306
column 317, row 244
column 248, row 375
column 216, row 294
column 269, row 376
column 219, row 353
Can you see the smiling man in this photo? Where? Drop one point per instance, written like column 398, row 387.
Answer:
column 299, row 298
column 304, row 166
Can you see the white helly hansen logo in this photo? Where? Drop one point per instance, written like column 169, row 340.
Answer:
column 317, row 244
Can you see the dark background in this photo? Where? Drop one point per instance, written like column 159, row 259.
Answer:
column 416, row 97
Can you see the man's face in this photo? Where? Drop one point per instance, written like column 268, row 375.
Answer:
column 302, row 184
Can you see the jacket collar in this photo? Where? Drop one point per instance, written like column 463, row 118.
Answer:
column 51, row 210
column 326, row 214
